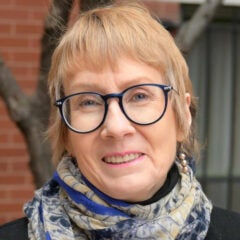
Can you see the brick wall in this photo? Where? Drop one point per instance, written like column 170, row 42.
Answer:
column 21, row 24
column 20, row 33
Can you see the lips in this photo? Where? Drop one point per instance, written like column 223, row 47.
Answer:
column 119, row 159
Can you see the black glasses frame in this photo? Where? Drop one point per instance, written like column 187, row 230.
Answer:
column 166, row 89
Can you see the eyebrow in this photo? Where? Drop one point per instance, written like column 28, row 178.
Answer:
column 81, row 86
column 93, row 86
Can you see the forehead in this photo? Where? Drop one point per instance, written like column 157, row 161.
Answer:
column 124, row 73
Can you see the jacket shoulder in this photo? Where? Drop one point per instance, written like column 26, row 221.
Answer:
column 224, row 225
column 17, row 229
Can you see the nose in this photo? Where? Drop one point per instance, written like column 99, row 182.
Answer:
column 116, row 125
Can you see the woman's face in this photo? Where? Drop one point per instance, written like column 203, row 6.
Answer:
column 150, row 149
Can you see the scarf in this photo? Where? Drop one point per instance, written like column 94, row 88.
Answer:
column 69, row 207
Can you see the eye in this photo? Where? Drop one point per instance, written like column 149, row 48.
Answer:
column 140, row 97
column 86, row 101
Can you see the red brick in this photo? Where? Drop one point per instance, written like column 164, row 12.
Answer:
column 164, row 10
column 32, row 4
column 20, row 70
column 26, row 56
column 11, row 13
column 7, row 124
column 29, row 28
column 19, row 166
column 9, row 41
column 17, row 138
column 7, row 2
column 28, row 86
column 5, row 28
column 12, row 152
column 12, row 179
column 4, row 137
column 4, row 167
column 39, row 15
column 10, row 207
column 22, row 194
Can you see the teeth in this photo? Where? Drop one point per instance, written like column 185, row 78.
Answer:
column 122, row 159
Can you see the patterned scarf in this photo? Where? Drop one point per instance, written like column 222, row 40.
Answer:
column 69, row 207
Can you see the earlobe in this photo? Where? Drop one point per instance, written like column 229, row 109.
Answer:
column 187, row 108
column 182, row 133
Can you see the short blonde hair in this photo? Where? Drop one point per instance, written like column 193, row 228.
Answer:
column 98, row 38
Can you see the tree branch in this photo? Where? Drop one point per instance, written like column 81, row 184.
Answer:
column 16, row 101
column 20, row 111
column 191, row 30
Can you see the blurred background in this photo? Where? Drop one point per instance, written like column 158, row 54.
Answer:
column 214, row 62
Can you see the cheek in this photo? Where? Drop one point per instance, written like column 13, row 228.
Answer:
column 167, row 132
column 81, row 146
column 162, row 137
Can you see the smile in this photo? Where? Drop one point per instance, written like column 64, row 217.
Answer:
column 118, row 159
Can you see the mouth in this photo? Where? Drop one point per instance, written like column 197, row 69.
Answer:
column 120, row 159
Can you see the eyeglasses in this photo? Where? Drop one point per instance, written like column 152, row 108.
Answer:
column 142, row 104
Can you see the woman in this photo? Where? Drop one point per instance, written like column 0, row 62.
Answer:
column 125, row 138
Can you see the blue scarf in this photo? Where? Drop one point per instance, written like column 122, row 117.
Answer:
column 69, row 207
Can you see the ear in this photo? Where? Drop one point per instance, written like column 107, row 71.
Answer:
column 187, row 108
column 188, row 115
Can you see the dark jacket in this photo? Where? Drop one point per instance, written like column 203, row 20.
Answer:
column 225, row 225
